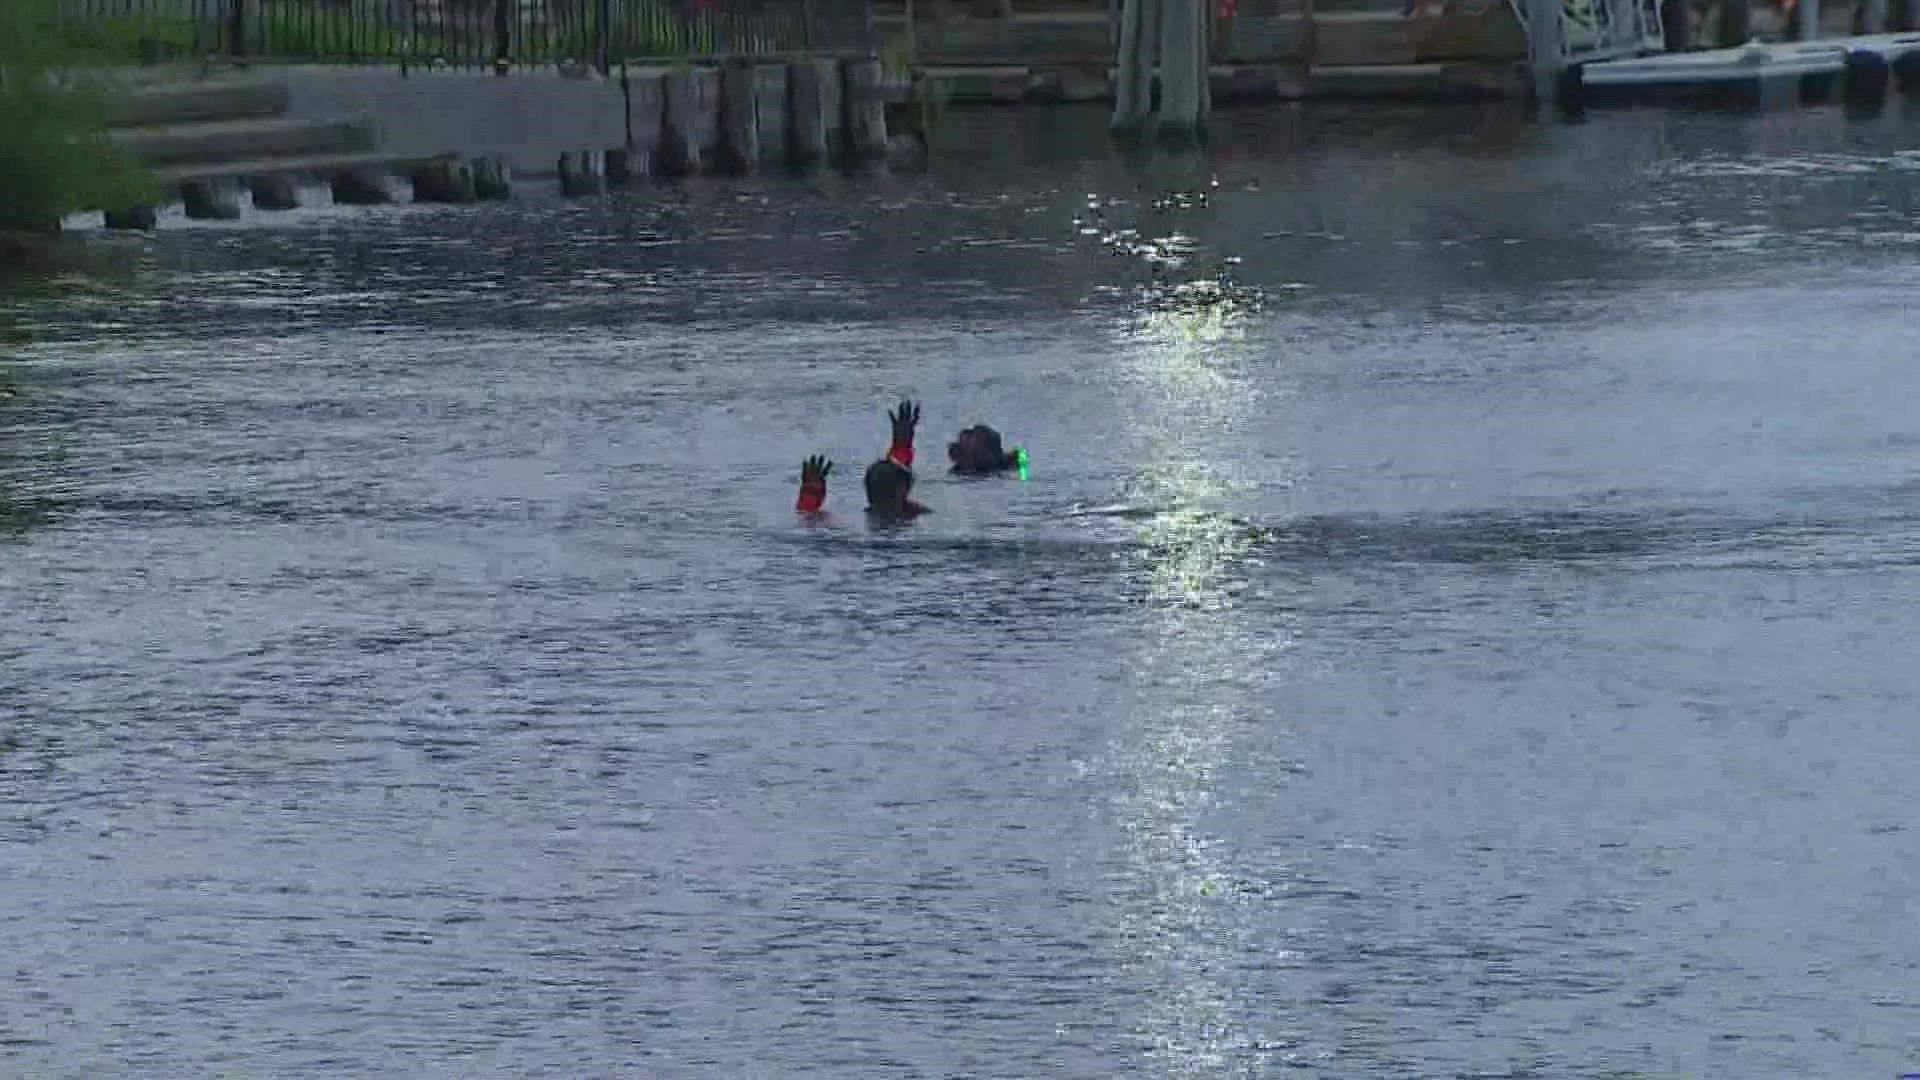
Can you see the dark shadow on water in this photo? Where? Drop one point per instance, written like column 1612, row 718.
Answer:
column 1571, row 535
column 987, row 548
column 21, row 511
column 21, row 460
column 33, row 310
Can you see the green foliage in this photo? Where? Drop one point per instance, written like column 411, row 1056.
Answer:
column 315, row 31
column 896, row 54
column 54, row 154
column 139, row 37
column 648, row 30
column 357, row 31
column 364, row 31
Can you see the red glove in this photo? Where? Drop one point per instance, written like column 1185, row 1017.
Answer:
column 813, row 484
column 904, row 419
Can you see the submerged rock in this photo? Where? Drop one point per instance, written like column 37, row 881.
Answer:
column 360, row 187
column 582, row 174
column 210, row 200
column 140, row 218
column 274, row 193
column 444, row 180
column 491, row 178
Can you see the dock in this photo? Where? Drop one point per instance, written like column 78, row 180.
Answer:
column 1858, row 71
column 1267, row 50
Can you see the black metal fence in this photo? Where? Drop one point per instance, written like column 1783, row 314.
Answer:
column 500, row 34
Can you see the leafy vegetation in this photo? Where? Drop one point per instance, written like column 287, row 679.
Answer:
column 365, row 31
column 55, row 157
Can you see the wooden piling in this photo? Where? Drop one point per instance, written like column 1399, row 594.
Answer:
column 813, row 95
column 646, row 119
column 692, row 118
column 1133, row 88
column 1183, row 72
column 582, row 172
column 619, row 170
column 866, row 108
column 492, row 178
column 1806, row 19
column 1546, row 54
column 770, row 114
column 1735, row 27
column 1676, row 31
column 739, row 134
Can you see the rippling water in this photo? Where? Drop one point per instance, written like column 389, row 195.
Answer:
column 1452, row 628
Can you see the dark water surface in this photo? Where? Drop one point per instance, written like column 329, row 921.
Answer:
column 1476, row 640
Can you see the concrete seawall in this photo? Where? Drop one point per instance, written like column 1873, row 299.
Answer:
column 260, row 138
column 674, row 120
column 263, row 139
column 528, row 118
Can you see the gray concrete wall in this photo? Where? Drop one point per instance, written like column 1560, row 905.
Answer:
column 528, row 118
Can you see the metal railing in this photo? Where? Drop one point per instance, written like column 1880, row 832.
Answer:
column 499, row 34
column 1601, row 29
column 1587, row 30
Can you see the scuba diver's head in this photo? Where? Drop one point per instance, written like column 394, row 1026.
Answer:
column 888, row 486
column 978, row 450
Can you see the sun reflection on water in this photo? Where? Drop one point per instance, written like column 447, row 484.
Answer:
column 1177, row 892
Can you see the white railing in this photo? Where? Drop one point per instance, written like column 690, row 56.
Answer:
column 1587, row 30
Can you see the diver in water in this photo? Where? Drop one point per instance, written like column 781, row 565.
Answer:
column 977, row 451
column 889, row 481
column 889, row 486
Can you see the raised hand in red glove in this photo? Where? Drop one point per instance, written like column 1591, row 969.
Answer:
column 904, row 420
column 813, row 484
